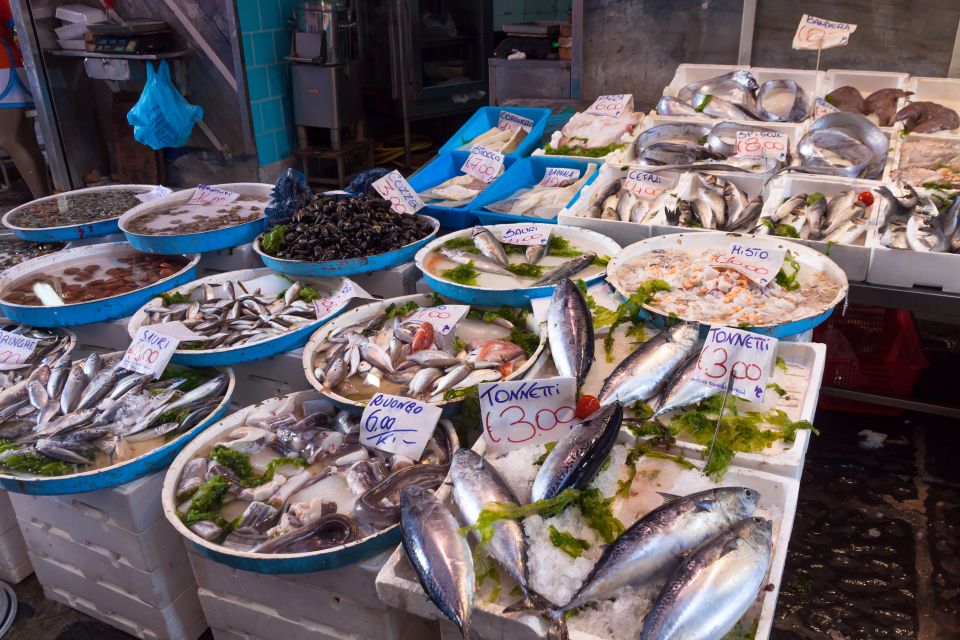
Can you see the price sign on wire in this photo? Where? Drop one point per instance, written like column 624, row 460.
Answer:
column 559, row 177
column 520, row 413
column 647, row 185
column 402, row 197
column 511, row 122
column 204, row 194
column 815, row 33
column 149, row 352
column 154, row 194
column 14, row 349
column 398, row 425
column 349, row 289
column 483, row 164
column 526, row 234
column 443, row 318
column 760, row 264
column 747, row 357
column 762, row 144
column 612, row 105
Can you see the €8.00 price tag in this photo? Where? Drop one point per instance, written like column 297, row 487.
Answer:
column 647, row 185
column 520, row 413
column 748, row 357
column 204, row 194
column 612, row 105
column 398, row 425
column 526, row 234
column 559, row 177
column 402, row 197
column 14, row 349
column 511, row 122
column 815, row 33
column 349, row 289
column 154, row 194
column 760, row 264
column 763, row 144
column 483, row 164
column 149, row 352
column 443, row 318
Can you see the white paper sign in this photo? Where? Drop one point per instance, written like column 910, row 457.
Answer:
column 760, row 264
column 14, row 349
column 816, row 33
column 180, row 331
column 559, row 177
column 483, row 164
column 612, row 105
column 648, row 185
column 150, row 351
column 511, row 122
column 154, row 194
column 443, row 318
column 398, row 425
column 526, row 234
column 762, row 144
column 402, row 197
column 520, row 413
column 204, row 194
column 748, row 357
column 349, row 289
column 821, row 108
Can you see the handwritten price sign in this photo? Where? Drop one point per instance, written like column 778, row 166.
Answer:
column 527, row 234
column 559, row 177
column 443, row 318
column 349, row 289
column 520, row 413
column 821, row 108
column 760, row 264
column 815, row 33
column 612, row 105
column 14, row 349
column 647, row 185
column 149, row 352
column 204, row 194
column 746, row 356
column 398, row 425
column 402, row 197
column 483, row 164
column 154, row 194
column 762, row 144
column 511, row 122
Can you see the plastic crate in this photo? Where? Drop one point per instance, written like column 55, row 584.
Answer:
column 873, row 350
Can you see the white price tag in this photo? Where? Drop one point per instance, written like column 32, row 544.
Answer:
column 526, row 234
column 483, row 164
column 816, row 33
column 762, row 144
column 154, row 194
column 443, row 318
column 14, row 349
column 559, row 177
column 821, row 108
column 613, row 105
column 180, row 331
column 204, row 194
column 648, row 185
column 760, row 264
column 748, row 357
column 511, row 122
column 402, row 197
column 520, row 413
column 349, row 289
column 398, row 425
column 150, row 351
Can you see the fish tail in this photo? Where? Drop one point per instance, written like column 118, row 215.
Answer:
column 558, row 626
column 532, row 602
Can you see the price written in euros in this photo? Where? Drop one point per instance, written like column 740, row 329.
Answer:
column 611, row 105
column 559, row 177
column 647, row 185
column 742, row 356
column 398, row 425
column 760, row 264
column 394, row 188
column 762, row 144
column 483, row 164
column 519, row 413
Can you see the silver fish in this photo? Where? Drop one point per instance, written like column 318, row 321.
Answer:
column 489, row 246
column 849, row 232
column 924, row 234
column 534, row 253
column 719, row 108
column 670, row 106
column 92, row 365
column 99, row 387
column 72, row 390
column 570, row 332
column 645, row 371
column 433, row 358
column 781, row 101
column 814, row 213
column 58, row 376
column 681, row 392
column 843, row 207
column 480, row 262
column 452, row 377
column 567, row 269
column 746, row 217
column 856, row 148
column 423, row 380
column 737, row 86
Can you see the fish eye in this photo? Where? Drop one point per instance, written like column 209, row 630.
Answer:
column 758, row 520
column 748, row 492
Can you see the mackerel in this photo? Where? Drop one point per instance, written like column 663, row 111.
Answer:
column 570, row 332
column 566, row 270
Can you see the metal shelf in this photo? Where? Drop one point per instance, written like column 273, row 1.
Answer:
column 75, row 53
column 922, row 300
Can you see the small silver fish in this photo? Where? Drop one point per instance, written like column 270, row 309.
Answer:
column 480, row 262
column 567, row 270
column 489, row 245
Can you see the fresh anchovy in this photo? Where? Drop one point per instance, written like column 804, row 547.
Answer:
column 577, row 457
column 644, row 372
column 480, row 262
column 489, row 246
column 439, row 554
column 570, row 332
column 566, row 270
column 706, row 596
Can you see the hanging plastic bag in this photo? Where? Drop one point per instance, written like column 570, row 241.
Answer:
column 162, row 117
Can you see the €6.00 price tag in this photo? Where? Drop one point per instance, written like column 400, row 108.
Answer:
column 816, row 33
column 402, row 197
column 483, row 164
column 443, row 318
column 526, row 234
column 14, row 349
column 398, row 425
column 519, row 413
column 647, row 185
column 559, row 177
column 760, row 264
column 349, row 289
column 511, row 122
column 613, row 105
column 149, row 352
column 154, row 194
column 762, row 144
column 748, row 357
column 204, row 194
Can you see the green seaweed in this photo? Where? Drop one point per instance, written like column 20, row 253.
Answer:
column 273, row 240
column 568, row 543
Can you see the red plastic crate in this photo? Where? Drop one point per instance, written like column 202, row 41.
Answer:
column 873, row 350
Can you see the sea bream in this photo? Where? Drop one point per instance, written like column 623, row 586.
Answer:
column 570, row 332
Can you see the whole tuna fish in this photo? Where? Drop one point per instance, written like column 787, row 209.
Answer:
column 706, row 596
column 475, row 483
column 570, row 332
column 578, row 456
column 439, row 554
column 644, row 372
column 681, row 392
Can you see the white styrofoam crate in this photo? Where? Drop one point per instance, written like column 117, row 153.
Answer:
column 575, row 214
column 8, row 517
column 943, row 91
column 134, row 506
column 626, row 154
column 807, row 80
column 866, row 82
column 688, row 73
column 14, row 561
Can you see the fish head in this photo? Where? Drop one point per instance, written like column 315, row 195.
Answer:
column 758, row 533
column 464, row 460
column 738, row 502
column 745, row 79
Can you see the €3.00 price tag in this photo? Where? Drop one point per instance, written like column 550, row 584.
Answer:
column 14, row 349
column 520, row 413
column 612, row 105
column 647, row 185
column 815, row 33
column 154, row 194
column 559, row 177
column 526, row 234
column 349, row 289
column 483, row 164
column 747, row 357
column 398, row 425
column 762, row 144
column 204, row 194
column 511, row 122
column 443, row 318
column 760, row 264
column 402, row 197
column 150, row 351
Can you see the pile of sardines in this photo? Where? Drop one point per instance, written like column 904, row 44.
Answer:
column 51, row 345
column 294, row 478
column 68, row 418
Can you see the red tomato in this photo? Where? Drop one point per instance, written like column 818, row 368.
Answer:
column 423, row 338
column 506, row 368
column 866, row 198
column 586, row 405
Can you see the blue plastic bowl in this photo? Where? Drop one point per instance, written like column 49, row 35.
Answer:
column 486, row 118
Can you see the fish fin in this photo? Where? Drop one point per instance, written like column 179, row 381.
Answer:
column 705, row 505
column 667, row 497
column 730, row 545
column 532, row 602
column 558, row 626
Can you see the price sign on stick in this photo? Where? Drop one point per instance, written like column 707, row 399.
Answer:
column 398, row 425
column 402, row 197
column 483, row 164
column 559, row 177
column 815, row 33
column 647, row 185
column 520, row 413
column 612, row 105
column 14, row 349
column 760, row 264
column 745, row 356
column 443, row 318
column 527, row 234
column 762, row 144
column 150, row 351
column 511, row 122
column 204, row 194
column 349, row 289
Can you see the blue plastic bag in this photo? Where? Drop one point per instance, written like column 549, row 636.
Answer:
column 162, row 117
